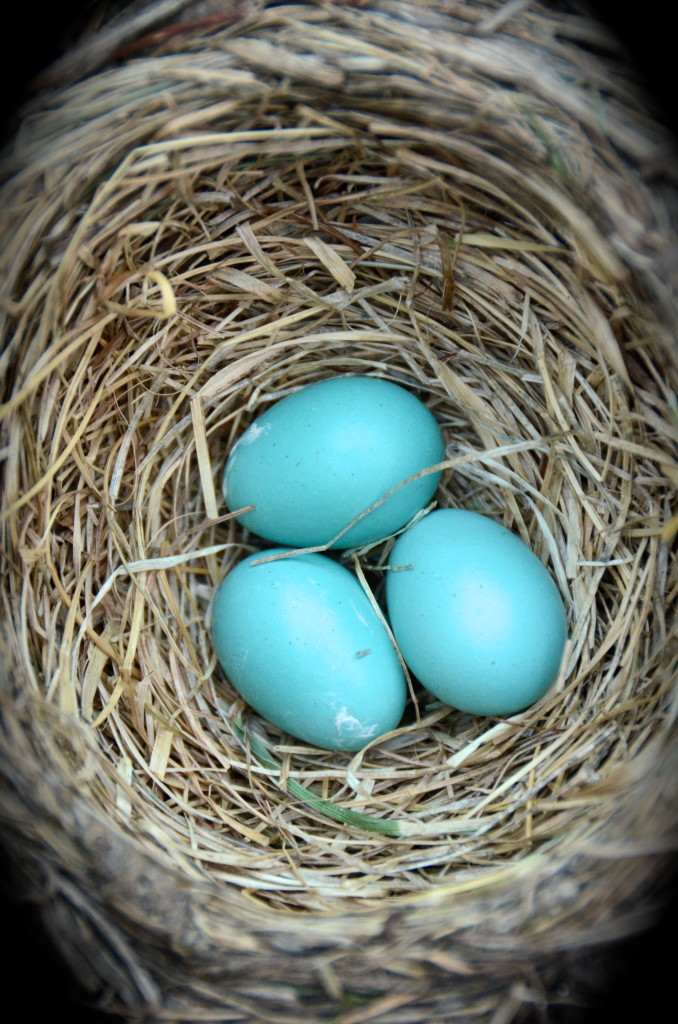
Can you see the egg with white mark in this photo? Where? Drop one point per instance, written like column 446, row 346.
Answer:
column 301, row 642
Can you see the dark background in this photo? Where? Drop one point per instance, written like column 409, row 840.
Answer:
column 640, row 984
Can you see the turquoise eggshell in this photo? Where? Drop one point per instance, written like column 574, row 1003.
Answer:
column 477, row 617
column 319, row 457
column 300, row 641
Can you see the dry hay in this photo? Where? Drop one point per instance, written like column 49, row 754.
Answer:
column 461, row 199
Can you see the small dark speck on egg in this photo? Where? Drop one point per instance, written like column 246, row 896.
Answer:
column 363, row 654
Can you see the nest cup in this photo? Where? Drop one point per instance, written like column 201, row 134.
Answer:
column 470, row 201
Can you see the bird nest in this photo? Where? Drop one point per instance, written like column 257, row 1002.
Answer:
column 468, row 200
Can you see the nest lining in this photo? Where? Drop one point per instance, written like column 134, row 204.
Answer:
column 218, row 239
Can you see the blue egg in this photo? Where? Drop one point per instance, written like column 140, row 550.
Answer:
column 476, row 615
column 299, row 639
column 319, row 457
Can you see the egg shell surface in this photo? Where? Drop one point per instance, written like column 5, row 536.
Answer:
column 300, row 641
column 478, row 618
column 319, row 457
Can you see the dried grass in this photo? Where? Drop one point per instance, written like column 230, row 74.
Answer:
column 464, row 203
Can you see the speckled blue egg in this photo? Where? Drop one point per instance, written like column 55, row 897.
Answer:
column 299, row 639
column 477, row 617
column 322, row 455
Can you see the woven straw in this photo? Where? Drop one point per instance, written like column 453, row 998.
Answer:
column 202, row 211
